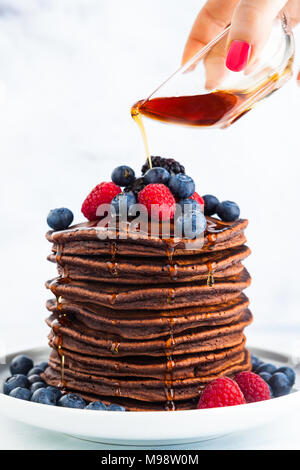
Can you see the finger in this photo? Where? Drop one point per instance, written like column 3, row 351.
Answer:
column 293, row 12
column 212, row 19
column 215, row 65
column 251, row 26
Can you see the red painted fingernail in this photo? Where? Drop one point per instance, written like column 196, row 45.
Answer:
column 238, row 56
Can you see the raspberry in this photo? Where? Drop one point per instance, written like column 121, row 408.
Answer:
column 221, row 392
column 169, row 164
column 158, row 200
column 103, row 193
column 199, row 199
column 254, row 388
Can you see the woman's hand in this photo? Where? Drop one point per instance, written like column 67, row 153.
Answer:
column 251, row 22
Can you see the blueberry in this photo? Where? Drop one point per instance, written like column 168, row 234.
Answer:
column 182, row 186
column 35, row 371
column 56, row 392
column 36, row 385
column 114, row 407
column 21, row 393
column 96, row 405
column 123, row 175
column 190, row 225
column 60, row 219
column 289, row 372
column 34, row 378
column 15, row 381
column 211, row 203
column 42, row 365
column 265, row 376
column 256, row 362
column 44, row 396
column 20, row 365
column 188, row 205
column 122, row 202
column 280, row 384
column 157, row 175
column 72, row 401
column 266, row 368
column 228, row 211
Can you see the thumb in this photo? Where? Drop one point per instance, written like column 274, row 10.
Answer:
column 251, row 26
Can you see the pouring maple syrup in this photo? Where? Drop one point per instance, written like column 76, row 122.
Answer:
column 220, row 108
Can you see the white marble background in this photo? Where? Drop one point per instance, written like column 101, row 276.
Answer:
column 69, row 72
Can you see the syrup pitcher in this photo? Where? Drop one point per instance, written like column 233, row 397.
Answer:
column 205, row 93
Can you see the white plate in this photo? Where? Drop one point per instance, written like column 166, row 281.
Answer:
column 147, row 428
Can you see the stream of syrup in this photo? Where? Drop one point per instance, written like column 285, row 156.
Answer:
column 62, row 319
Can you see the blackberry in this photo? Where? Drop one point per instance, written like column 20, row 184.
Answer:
column 171, row 165
column 136, row 186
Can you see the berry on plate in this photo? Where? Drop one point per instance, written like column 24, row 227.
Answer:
column 265, row 376
column 44, row 396
column 60, row 219
column 42, row 365
column 264, row 367
column 228, row 211
column 56, row 391
column 255, row 362
column 96, row 405
column 21, row 365
column 114, row 407
column 221, row 392
column 289, row 372
column 211, row 204
column 18, row 380
column 36, row 385
column 182, row 186
column 36, row 370
column 71, row 400
column 158, row 200
column 157, row 175
column 253, row 387
column 280, row 384
column 21, row 393
column 103, row 193
column 34, row 378
column 123, row 175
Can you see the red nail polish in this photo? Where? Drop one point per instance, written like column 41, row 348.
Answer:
column 238, row 56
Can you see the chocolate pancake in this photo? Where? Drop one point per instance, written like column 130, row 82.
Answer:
column 148, row 324
column 81, row 339
column 191, row 268
column 84, row 239
column 146, row 390
column 165, row 296
column 180, row 366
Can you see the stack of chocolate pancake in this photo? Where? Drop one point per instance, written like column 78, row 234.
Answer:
column 147, row 322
